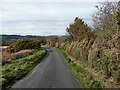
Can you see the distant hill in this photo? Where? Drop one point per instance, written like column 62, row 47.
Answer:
column 20, row 37
column 9, row 39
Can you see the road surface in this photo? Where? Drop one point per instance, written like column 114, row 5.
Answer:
column 51, row 72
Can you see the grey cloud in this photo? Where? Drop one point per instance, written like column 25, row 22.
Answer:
column 42, row 18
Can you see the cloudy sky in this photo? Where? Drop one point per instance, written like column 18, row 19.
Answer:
column 43, row 17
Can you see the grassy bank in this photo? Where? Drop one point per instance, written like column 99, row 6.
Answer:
column 85, row 78
column 8, row 57
column 15, row 70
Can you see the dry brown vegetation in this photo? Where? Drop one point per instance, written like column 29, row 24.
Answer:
column 7, row 57
column 19, row 49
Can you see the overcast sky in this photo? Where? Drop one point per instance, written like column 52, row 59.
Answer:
column 43, row 17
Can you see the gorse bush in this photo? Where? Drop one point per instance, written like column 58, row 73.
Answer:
column 78, row 30
column 25, row 44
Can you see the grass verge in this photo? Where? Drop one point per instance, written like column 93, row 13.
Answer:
column 16, row 69
column 84, row 77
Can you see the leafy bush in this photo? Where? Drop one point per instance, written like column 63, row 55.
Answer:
column 25, row 44
column 78, row 30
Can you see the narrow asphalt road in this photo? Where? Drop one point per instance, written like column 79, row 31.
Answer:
column 52, row 72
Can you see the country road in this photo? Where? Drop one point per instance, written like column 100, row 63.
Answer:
column 51, row 72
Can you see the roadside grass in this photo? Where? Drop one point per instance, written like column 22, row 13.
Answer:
column 7, row 57
column 16, row 69
column 83, row 76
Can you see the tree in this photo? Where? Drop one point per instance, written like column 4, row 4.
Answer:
column 104, row 19
column 78, row 30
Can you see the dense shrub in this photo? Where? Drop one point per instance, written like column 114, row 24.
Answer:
column 78, row 30
column 24, row 44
